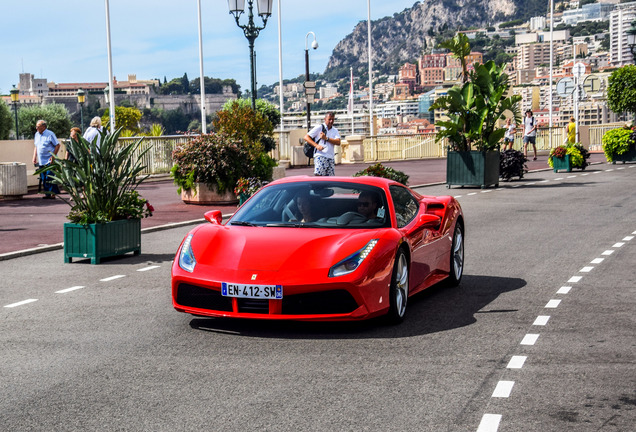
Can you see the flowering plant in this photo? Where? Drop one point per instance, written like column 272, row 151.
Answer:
column 218, row 161
column 248, row 186
column 379, row 170
column 102, row 181
column 578, row 155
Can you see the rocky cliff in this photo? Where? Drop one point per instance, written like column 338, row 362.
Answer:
column 406, row 34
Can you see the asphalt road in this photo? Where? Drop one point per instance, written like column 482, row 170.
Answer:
column 538, row 337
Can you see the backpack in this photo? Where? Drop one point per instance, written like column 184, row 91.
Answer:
column 308, row 149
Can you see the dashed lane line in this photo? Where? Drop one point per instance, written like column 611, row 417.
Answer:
column 108, row 279
column 66, row 290
column 490, row 422
column 20, row 303
column 516, row 362
column 143, row 269
column 541, row 320
column 503, row 389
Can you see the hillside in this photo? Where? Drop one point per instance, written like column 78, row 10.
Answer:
column 406, row 34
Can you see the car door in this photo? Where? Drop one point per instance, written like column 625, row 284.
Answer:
column 423, row 256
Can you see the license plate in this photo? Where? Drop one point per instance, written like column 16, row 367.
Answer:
column 252, row 291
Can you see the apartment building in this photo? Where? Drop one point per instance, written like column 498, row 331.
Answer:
column 620, row 22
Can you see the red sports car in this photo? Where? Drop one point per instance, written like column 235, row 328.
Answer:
column 320, row 249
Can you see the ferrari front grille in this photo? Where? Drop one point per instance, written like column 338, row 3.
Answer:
column 316, row 303
column 202, row 298
column 253, row 305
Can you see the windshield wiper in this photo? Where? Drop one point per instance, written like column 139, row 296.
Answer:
column 242, row 223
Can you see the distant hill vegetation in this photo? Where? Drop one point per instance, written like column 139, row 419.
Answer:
column 406, row 35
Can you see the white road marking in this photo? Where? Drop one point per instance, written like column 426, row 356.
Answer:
column 586, row 269
column 617, row 245
column 458, row 196
column 544, row 181
column 529, row 339
column 489, row 423
column 608, row 170
column 530, row 184
column 628, row 238
column 64, row 291
column 596, row 172
column 564, row 290
column 608, row 252
column 620, row 168
column 559, row 178
column 585, row 174
column 575, row 279
column 597, row 260
column 503, row 389
column 108, row 279
column 541, row 320
column 472, row 193
column 20, row 303
column 499, row 189
column 571, row 176
column 486, row 191
column 554, row 303
column 516, row 362
column 147, row 268
column 517, row 185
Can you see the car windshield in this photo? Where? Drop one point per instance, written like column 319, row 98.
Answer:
column 315, row 205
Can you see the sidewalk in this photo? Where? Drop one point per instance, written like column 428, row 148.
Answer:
column 35, row 223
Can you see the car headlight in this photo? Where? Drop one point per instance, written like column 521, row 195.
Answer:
column 186, row 257
column 352, row 262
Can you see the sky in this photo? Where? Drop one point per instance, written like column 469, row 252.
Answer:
column 65, row 41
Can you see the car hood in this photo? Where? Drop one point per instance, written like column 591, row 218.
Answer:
column 276, row 248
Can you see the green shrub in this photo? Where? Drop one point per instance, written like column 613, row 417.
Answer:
column 617, row 142
column 379, row 170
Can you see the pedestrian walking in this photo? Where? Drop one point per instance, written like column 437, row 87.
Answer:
column 529, row 134
column 324, row 138
column 94, row 132
column 571, row 130
column 46, row 146
column 509, row 136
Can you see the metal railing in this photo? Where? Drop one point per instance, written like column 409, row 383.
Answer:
column 158, row 159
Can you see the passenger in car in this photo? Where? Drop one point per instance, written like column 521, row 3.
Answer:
column 368, row 204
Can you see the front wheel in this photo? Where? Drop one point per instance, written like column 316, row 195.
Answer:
column 456, row 257
column 399, row 290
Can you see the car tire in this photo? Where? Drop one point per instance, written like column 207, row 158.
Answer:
column 456, row 257
column 399, row 290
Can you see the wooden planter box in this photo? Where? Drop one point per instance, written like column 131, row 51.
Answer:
column 203, row 195
column 628, row 156
column 473, row 168
column 97, row 241
column 563, row 163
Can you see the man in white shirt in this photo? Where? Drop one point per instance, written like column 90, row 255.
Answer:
column 323, row 138
column 529, row 133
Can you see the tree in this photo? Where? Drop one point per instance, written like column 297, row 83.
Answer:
column 621, row 91
column 126, row 118
column 265, row 108
column 6, row 121
column 55, row 115
column 185, row 83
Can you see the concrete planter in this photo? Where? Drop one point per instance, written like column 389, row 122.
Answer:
column 97, row 241
column 13, row 180
column 203, row 195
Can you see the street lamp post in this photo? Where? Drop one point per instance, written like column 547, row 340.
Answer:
column 251, row 31
column 15, row 99
column 81, row 98
column 631, row 40
column 310, row 88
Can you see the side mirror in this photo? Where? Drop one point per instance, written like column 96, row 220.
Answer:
column 214, row 216
column 430, row 221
